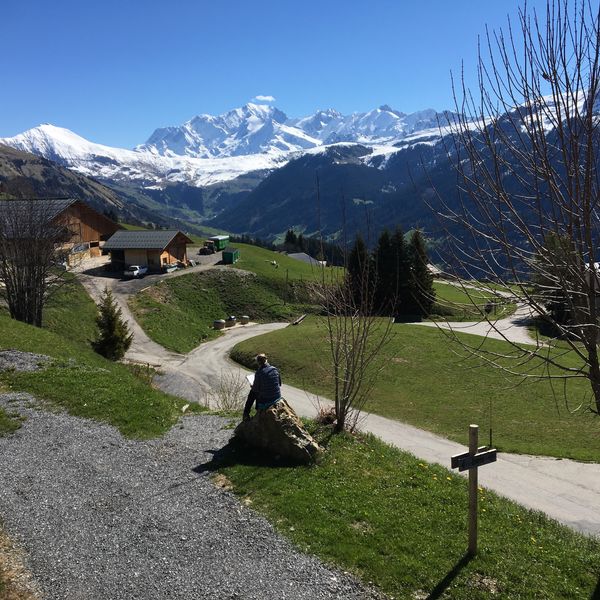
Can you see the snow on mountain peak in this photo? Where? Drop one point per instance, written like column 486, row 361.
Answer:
column 263, row 128
column 212, row 148
column 251, row 129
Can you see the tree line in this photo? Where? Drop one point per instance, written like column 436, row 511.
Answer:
column 315, row 246
column 394, row 274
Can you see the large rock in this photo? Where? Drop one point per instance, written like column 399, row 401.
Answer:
column 279, row 431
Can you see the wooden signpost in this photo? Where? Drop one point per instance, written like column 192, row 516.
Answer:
column 471, row 460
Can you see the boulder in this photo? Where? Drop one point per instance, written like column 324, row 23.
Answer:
column 279, row 431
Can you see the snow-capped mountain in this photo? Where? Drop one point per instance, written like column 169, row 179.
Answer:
column 257, row 128
column 209, row 149
column 251, row 129
column 139, row 166
column 383, row 125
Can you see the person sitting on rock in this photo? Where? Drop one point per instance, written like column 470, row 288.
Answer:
column 266, row 389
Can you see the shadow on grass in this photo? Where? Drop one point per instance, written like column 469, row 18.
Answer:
column 238, row 453
column 443, row 585
column 596, row 593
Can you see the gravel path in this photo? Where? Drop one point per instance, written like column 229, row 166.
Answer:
column 101, row 516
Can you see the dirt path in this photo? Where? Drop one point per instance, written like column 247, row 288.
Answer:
column 564, row 489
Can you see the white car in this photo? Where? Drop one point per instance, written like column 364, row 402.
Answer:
column 135, row 271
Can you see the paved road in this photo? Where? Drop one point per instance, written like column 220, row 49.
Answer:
column 513, row 328
column 566, row 490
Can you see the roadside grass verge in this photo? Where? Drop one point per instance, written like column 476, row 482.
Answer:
column 81, row 381
column 425, row 383
column 401, row 523
column 9, row 422
column 179, row 312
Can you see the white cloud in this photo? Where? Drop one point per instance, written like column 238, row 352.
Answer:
column 261, row 98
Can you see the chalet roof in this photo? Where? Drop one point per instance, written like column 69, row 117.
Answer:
column 146, row 239
column 46, row 208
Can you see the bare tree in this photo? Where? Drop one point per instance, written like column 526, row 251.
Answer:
column 355, row 336
column 31, row 243
column 526, row 147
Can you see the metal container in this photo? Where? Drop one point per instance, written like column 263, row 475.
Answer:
column 219, row 324
column 231, row 321
column 244, row 319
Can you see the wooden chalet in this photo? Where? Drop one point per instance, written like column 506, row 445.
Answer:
column 152, row 248
column 85, row 229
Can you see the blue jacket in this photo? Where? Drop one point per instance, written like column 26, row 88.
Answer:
column 267, row 384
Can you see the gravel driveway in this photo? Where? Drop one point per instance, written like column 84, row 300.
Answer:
column 104, row 517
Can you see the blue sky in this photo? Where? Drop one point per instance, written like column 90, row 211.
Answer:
column 113, row 71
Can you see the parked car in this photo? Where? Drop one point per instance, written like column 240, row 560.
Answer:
column 135, row 271
column 169, row 268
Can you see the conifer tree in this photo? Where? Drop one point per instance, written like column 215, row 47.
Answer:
column 114, row 337
column 290, row 238
column 401, row 274
column 359, row 271
column 422, row 293
column 385, row 274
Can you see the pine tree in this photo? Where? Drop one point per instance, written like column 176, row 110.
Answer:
column 422, row 293
column 400, row 278
column 290, row 240
column 359, row 271
column 385, row 275
column 114, row 336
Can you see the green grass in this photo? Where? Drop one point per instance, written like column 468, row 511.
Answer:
column 178, row 313
column 457, row 304
column 71, row 313
column 258, row 260
column 9, row 421
column 426, row 384
column 78, row 379
column 400, row 523
column 130, row 227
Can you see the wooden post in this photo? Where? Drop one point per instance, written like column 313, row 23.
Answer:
column 471, row 460
column 473, row 443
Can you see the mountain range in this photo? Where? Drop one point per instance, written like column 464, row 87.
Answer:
column 211, row 149
column 222, row 169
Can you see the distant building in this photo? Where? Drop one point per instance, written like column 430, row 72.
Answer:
column 152, row 248
column 86, row 229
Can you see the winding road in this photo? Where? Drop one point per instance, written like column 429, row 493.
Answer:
column 566, row 490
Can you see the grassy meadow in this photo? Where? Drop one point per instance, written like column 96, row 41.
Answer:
column 78, row 379
column 425, row 382
column 178, row 313
column 258, row 260
column 400, row 523
column 454, row 303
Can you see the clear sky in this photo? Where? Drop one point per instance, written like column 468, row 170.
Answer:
column 114, row 70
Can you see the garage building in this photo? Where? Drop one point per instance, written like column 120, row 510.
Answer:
column 152, row 248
